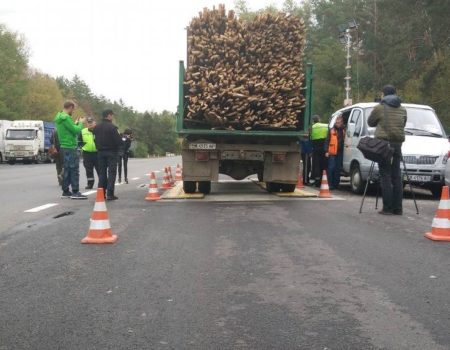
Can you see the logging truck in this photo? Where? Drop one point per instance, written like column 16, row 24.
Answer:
column 273, row 154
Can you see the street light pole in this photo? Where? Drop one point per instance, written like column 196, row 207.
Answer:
column 348, row 69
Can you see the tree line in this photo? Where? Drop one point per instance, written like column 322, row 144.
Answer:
column 26, row 93
column 404, row 43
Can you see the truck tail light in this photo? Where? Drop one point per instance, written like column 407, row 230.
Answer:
column 201, row 156
column 278, row 157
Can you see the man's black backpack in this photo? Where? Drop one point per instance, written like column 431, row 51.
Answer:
column 374, row 149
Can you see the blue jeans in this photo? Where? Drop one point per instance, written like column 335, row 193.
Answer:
column 71, row 169
column 334, row 169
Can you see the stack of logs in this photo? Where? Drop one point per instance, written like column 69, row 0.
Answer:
column 244, row 75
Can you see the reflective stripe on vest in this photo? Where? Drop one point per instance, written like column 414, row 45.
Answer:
column 88, row 139
column 319, row 131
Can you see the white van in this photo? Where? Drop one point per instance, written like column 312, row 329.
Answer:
column 425, row 150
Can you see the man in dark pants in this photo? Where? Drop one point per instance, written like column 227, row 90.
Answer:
column 389, row 118
column 318, row 136
column 124, row 152
column 89, row 152
column 107, row 142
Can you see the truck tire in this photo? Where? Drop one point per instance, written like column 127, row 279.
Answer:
column 11, row 161
column 260, row 176
column 189, row 186
column 204, row 187
column 356, row 182
column 273, row 187
column 288, row 187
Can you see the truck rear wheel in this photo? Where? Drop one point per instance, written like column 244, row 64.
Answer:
column 288, row 187
column 11, row 162
column 273, row 187
column 204, row 187
column 189, row 186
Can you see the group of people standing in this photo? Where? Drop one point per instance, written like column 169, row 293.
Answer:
column 103, row 150
column 323, row 151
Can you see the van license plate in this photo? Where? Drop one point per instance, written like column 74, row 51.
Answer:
column 202, row 146
column 419, row 178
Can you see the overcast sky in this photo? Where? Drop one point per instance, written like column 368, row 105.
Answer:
column 125, row 49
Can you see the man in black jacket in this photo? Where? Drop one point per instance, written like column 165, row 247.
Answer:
column 107, row 142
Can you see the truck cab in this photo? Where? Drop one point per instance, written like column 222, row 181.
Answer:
column 28, row 141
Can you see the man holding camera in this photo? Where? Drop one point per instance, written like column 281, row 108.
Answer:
column 389, row 118
column 68, row 132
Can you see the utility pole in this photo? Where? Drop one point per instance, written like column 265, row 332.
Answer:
column 348, row 69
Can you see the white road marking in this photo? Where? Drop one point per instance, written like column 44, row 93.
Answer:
column 89, row 192
column 135, row 178
column 42, row 207
column 118, row 183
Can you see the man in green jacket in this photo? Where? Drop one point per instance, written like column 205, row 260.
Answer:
column 389, row 118
column 67, row 132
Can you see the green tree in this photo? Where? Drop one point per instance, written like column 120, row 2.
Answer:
column 43, row 97
column 13, row 71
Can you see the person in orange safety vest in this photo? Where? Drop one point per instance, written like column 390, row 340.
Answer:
column 334, row 151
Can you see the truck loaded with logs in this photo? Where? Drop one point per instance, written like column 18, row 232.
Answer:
column 244, row 99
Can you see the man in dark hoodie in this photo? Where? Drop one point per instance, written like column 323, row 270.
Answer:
column 68, row 138
column 389, row 118
column 107, row 142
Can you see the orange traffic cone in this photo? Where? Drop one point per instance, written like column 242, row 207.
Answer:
column 324, row 189
column 178, row 175
column 171, row 180
column 100, row 228
column 166, row 181
column 440, row 228
column 300, row 184
column 153, row 192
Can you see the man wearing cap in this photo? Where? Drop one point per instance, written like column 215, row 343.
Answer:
column 107, row 142
column 89, row 152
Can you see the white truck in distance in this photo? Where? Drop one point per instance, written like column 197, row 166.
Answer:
column 4, row 125
column 28, row 140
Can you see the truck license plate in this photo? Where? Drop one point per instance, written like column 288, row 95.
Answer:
column 202, row 145
column 419, row 178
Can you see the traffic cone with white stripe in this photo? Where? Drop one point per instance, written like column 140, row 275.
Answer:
column 171, row 180
column 178, row 174
column 440, row 228
column 300, row 184
column 324, row 188
column 166, row 181
column 153, row 192
column 100, row 228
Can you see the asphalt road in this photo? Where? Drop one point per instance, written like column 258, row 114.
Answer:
column 199, row 274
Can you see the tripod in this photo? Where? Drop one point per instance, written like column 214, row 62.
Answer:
column 370, row 179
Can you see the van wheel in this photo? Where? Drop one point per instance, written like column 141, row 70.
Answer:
column 356, row 182
column 260, row 176
column 204, row 187
column 436, row 191
column 189, row 186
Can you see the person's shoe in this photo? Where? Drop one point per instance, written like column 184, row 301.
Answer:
column 66, row 194
column 78, row 195
column 111, row 198
column 382, row 212
column 88, row 187
column 120, row 180
column 397, row 212
column 126, row 181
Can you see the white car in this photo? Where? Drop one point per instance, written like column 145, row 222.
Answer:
column 425, row 150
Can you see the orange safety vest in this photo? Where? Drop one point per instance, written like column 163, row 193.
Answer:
column 334, row 142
